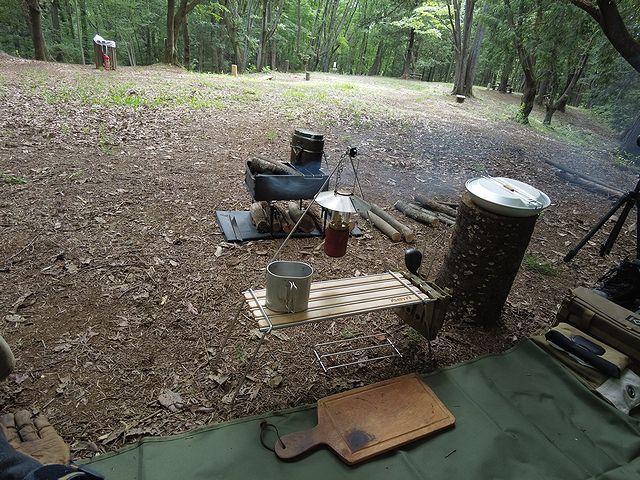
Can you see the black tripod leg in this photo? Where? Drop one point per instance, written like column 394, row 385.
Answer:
column 606, row 247
column 574, row 251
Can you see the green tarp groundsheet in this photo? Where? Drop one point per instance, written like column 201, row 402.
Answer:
column 519, row 415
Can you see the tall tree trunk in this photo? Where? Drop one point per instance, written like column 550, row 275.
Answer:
column 274, row 64
column 408, row 58
column 80, row 34
column 298, row 29
column 527, row 62
column 506, row 73
column 169, row 45
column 55, row 24
column 552, row 106
column 35, row 24
column 542, row 90
column 187, row 44
column 377, row 62
column 461, row 30
column 242, row 62
column 85, row 35
column 631, row 139
column 473, row 61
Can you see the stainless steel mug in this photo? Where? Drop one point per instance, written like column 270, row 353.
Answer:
column 288, row 286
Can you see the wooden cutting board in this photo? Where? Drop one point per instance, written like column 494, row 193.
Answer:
column 367, row 421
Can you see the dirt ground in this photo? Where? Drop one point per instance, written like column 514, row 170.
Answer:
column 112, row 295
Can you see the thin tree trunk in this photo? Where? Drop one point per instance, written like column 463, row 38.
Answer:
column 35, row 24
column 551, row 106
column 473, row 61
column 409, row 55
column 506, row 73
column 55, row 24
column 187, row 44
column 169, row 45
column 542, row 90
column 377, row 62
column 87, row 38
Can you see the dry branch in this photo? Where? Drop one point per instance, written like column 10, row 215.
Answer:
column 417, row 213
column 431, row 204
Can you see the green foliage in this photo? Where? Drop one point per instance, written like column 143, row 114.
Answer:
column 11, row 179
column 533, row 263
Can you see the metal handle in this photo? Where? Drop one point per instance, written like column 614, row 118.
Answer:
column 290, row 297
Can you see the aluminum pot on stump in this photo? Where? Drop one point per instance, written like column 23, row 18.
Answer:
column 485, row 254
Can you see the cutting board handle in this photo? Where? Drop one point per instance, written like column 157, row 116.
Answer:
column 297, row 443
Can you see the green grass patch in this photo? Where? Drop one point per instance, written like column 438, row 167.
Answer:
column 533, row 263
column 567, row 133
column 11, row 179
column 271, row 135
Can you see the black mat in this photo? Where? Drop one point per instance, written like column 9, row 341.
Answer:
column 247, row 230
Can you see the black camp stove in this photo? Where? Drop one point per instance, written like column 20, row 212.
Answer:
column 270, row 188
column 307, row 151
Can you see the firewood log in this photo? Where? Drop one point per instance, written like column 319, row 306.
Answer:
column 259, row 218
column 434, row 205
column 285, row 219
column 442, row 217
column 316, row 215
column 385, row 228
column 306, row 224
column 414, row 212
column 406, row 232
column 261, row 165
column 276, row 225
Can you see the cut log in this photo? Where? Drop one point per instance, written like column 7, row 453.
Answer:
column 259, row 218
column 564, row 168
column 316, row 215
column 261, row 165
column 406, row 232
column 444, row 218
column 434, row 205
column 483, row 259
column 276, row 225
column 385, row 228
column 285, row 219
column 417, row 214
column 306, row 224
column 587, row 185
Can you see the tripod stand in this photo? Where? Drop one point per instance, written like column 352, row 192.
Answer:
column 629, row 199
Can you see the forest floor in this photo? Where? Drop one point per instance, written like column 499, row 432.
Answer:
column 112, row 295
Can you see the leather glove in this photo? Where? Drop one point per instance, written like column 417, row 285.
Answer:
column 34, row 437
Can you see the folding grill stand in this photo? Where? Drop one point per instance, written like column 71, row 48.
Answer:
column 335, row 306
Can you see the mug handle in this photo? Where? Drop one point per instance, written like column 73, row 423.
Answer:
column 288, row 302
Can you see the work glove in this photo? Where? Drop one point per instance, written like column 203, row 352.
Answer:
column 34, row 437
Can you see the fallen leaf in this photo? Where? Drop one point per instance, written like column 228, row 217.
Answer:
column 22, row 302
column 219, row 379
column 100, row 220
column 281, row 335
column 71, row 267
column 14, row 318
column 275, row 382
column 173, row 263
column 218, row 252
column 170, row 400
column 191, row 308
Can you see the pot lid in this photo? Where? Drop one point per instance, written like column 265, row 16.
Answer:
column 338, row 201
column 301, row 132
column 509, row 193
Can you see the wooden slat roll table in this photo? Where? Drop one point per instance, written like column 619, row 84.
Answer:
column 328, row 300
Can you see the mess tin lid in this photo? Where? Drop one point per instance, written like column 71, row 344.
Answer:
column 301, row 132
column 507, row 196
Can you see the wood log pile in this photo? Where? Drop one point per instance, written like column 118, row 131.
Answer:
column 284, row 217
column 262, row 165
column 428, row 211
column 384, row 221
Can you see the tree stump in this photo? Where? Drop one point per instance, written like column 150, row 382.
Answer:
column 484, row 257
